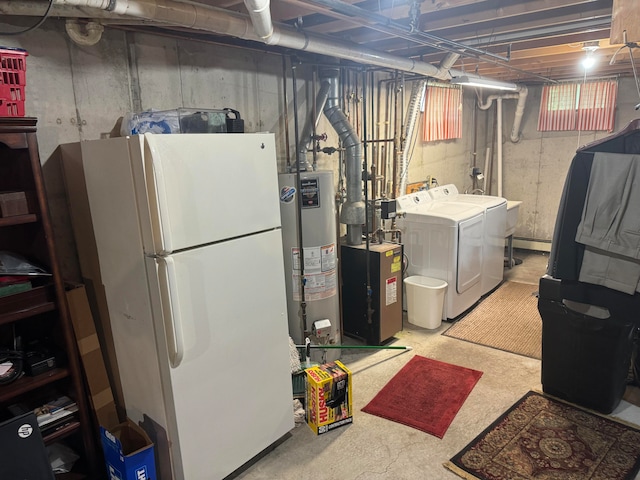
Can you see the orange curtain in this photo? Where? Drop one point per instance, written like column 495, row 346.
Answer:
column 442, row 113
column 578, row 106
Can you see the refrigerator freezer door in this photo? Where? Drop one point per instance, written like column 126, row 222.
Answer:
column 227, row 339
column 204, row 188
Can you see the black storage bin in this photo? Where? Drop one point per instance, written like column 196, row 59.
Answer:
column 585, row 359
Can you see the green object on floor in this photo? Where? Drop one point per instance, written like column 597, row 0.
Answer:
column 368, row 347
column 299, row 380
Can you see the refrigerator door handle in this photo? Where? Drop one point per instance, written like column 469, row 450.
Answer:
column 157, row 177
column 171, row 311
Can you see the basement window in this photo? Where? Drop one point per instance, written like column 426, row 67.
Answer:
column 578, row 106
column 442, row 113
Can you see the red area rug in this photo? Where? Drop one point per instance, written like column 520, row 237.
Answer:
column 425, row 394
column 542, row 438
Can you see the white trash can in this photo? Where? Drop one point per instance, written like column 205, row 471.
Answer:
column 425, row 300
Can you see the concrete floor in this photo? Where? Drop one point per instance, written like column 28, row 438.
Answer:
column 374, row 448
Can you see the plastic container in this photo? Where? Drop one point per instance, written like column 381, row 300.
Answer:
column 425, row 300
column 585, row 358
column 180, row 120
column 13, row 67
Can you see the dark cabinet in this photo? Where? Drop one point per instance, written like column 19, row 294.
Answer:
column 35, row 320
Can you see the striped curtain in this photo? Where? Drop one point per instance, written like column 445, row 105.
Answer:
column 442, row 113
column 578, row 106
column 597, row 105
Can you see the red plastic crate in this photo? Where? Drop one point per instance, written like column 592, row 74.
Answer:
column 13, row 67
column 11, row 109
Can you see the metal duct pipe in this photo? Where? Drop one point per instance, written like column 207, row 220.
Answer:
column 417, row 94
column 223, row 22
column 449, row 60
column 353, row 210
column 307, row 130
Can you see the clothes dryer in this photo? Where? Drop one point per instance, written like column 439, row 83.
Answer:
column 495, row 221
column 444, row 240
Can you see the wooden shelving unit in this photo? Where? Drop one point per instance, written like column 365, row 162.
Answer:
column 40, row 313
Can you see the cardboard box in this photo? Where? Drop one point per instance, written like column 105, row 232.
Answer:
column 128, row 452
column 91, row 355
column 13, row 203
column 81, row 222
column 328, row 397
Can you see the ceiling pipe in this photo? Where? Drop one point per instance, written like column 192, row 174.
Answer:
column 34, row 8
column 517, row 120
column 352, row 212
column 521, row 95
column 223, row 22
column 515, row 136
column 84, row 34
column 449, row 60
column 260, row 14
column 68, row 10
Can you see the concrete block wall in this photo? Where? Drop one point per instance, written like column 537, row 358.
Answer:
column 535, row 168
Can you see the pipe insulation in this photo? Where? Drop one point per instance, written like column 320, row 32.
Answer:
column 223, row 22
column 307, row 130
column 417, row 94
column 34, row 8
column 353, row 209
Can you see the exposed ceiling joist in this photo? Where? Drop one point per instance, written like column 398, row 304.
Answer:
column 541, row 38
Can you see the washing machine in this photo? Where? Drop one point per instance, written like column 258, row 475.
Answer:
column 444, row 240
column 495, row 224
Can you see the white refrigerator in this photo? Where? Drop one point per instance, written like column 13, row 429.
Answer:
column 188, row 240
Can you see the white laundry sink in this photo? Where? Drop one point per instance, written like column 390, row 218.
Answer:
column 513, row 206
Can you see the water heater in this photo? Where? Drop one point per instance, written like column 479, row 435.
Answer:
column 318, row 256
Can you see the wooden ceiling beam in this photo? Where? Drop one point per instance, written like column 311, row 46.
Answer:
column 489, row 35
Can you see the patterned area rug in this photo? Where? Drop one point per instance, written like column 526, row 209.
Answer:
column 543, row 438
column 508, row 320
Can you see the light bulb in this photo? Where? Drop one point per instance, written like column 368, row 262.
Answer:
column 588, row 62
